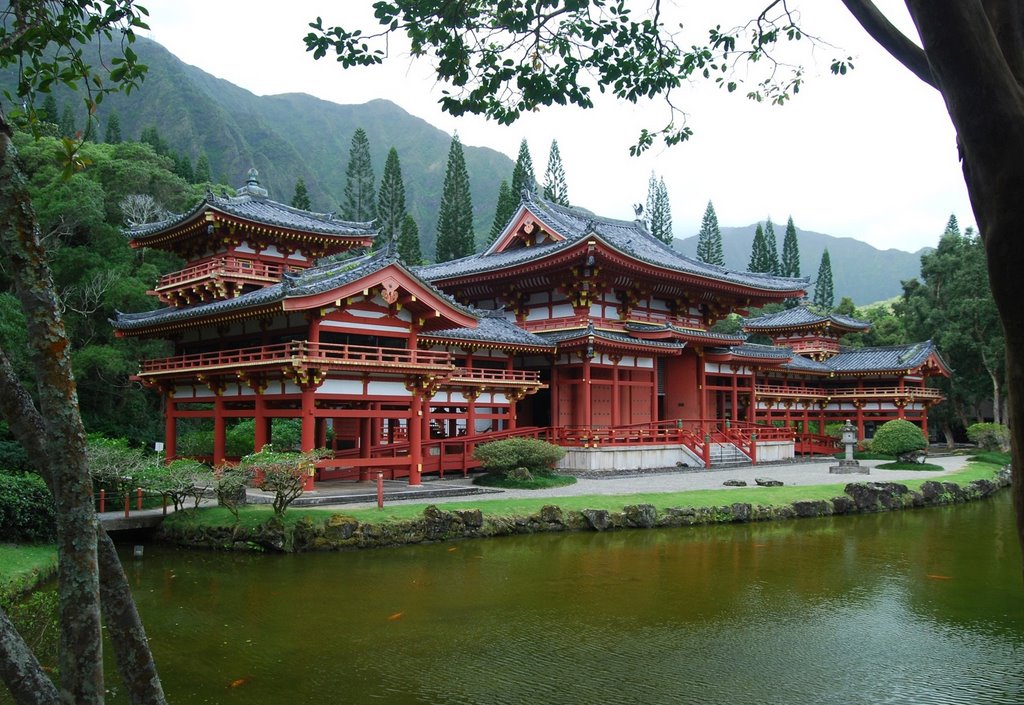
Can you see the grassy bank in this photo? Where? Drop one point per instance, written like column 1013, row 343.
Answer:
column 251, row 517
column 23, row 566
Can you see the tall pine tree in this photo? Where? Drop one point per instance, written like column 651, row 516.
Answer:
column 455, row 214
column 952, row 226
column 759, row 261
column 390, row 201
column 771, row 249
column 709, row 240
column 409, row 242
column 49, row 113
column 824, row 296
column 523, row 177
column 360, row 195
column 506, row 208
column 203, row 169
column 113, row 133
column 790, row 251
column 555, row 188
column 67, row 122
column 301, row 198
column 659, row 212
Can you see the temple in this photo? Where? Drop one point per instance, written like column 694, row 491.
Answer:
column 582, row 330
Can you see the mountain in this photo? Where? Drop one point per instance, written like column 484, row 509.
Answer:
column 292, row 135
column 860, row 271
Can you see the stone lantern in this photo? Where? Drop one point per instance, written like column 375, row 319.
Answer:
column 848, row 465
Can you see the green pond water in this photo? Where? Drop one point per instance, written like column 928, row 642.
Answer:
column 908, row 607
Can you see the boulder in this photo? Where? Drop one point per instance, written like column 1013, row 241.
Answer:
column 550, row 514
column 643, row 516
column 597, row 519
column 741, row 511
column 805, row 508
column 873, row 496
column 767, row 482
column 735, row 483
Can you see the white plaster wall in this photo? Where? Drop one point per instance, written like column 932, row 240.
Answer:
column 627, row 458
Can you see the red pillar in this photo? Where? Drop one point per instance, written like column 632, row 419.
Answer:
column 554, row 393
column 702, row 382
column 734, row 413
column 260, row 421
column 471, row 395
column 616, row 411
column 654, row 390
column 170, row 429
column 308, row 419
column 415, row 439
column 365, row 431
column 588, row 417
column 219, row 431
column 924, row 420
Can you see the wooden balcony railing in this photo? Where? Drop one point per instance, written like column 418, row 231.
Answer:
column 301, row 353
column 222, row 267
column 766, row 390
column 487, row 377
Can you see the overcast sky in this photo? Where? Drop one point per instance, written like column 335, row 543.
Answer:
column 871, row 155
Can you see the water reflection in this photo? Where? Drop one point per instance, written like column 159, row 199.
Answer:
column 907, row 607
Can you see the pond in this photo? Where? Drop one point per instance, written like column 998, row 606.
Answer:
column 921, row 606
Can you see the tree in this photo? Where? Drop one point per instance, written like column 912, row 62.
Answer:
column 900, row 438
column 48, row 112
column 300, row 199
column 455, row 214
column 555, row 188
column 659, row 212
column 67, row 122
column 183, row 168
column 709, row 239
column 202, row 175
column 390, row 201
column 523, row 178
column 771, row 248
column 151, row 136
column 49, row 424
column 113, row 133
column 359, row 204
column 409, row 242
column 503, row 211
column 971, row 52
column 759, row 252
column 790, row 251
column 824, row 294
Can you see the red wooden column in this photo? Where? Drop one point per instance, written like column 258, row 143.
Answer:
column 616, row 411
column 260, row 421
column 170, row 428
column 751, row 409
column 416, row 418
column 702, row 383
column 587, row 416
column 365, row 433
column 860, row 419
column 554, row 394
column 901, row 412
column 924, row 420
column 308, row 419
column 219, row 431
column 734, row 412
column 654, row 389
column 471, row 395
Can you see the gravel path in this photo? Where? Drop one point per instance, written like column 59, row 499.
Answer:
column 813, row 473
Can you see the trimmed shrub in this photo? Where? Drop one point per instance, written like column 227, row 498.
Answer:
column 536, row 456
column 27, row 511
column 284, row 433
column 901, row 439
column 990, row 437
column 284, row 474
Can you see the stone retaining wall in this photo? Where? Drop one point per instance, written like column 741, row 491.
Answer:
column 341, row 532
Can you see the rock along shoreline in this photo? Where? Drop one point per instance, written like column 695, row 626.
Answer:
column 338, row 532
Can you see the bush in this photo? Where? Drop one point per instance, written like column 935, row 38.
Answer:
column 181, row 480
column 508, row 455
column 27, row 511
column 834, row 430
column 230, row 488
column 990, row 437
column 284, row 474
column 899, row 438
column 284, row 433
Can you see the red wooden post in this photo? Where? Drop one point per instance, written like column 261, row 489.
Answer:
column 380, row 490
column 753, row 449
column 707, row 450
column 127, row 503
column 103, row 501
column 138, row 500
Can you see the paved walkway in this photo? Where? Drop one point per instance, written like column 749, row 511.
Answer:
column 803, row 473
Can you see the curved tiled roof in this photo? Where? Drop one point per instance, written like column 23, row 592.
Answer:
column 610, row 336
column 802, row 316
column 753, row 350
column 493, row 327
column 640, row 327
column 889, row 358
column 260, row 209
column 330, row 273
column 628, row 237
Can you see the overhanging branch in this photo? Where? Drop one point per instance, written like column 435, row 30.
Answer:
column 891, row 39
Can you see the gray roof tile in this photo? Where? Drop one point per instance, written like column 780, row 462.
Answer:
column 802, row 316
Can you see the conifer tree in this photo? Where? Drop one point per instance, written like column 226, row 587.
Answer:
column 522, row 174
column 183, row 168
column 409, row 242
column 505, row 209
column 824, row 295
column 113, row 133
column 771, row 249
column 952, row 226
column 659, row 213
column 390, row 201
column 152, row 137
column 203, row 169
column 300, row 199
column 790, row 251
column 455, row 214
column 758, row 252
column 555, row 188
column 359, row 203
column 709, row 240
column 67, row 121
column 49, row 112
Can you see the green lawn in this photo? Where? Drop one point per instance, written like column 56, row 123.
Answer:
column 21, row 566
column 252, row 516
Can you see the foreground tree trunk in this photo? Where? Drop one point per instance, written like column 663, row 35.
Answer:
column 54, row 437
column 975, row 50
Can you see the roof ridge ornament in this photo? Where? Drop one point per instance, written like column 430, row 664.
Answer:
column 252, row 185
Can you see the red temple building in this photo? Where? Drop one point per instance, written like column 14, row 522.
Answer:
column 583, row 330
